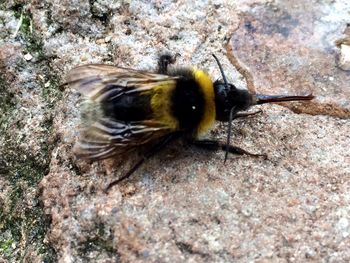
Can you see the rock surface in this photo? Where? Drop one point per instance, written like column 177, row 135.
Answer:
column 183, row 205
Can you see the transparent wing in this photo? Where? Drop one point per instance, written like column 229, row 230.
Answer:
column 98, row 81
column 104, row 137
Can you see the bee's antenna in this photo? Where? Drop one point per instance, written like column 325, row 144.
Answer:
column 222, row 71
column 232, row 111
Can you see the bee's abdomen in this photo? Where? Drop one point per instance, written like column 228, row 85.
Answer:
column 133, row 107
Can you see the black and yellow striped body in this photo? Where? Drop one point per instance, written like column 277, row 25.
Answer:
column 132, row 108
column 128, row 108
column 183, row 104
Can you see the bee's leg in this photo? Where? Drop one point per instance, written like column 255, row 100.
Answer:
column 246, row 114
column 164, row 61
column 212, row 145
column 156, row 148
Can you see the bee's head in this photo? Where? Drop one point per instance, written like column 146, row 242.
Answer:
column 228, row 97
column 229, row 100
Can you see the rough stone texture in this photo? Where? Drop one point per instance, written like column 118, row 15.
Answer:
column 297, row 46
column 183, row 204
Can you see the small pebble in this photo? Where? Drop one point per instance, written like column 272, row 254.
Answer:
column 28, row 57
column 108, row 39
column 344, row 60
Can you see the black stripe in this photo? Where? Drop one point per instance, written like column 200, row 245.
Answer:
column 128, row 107
column 188, row 103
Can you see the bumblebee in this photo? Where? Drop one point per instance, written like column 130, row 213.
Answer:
column 133, row 108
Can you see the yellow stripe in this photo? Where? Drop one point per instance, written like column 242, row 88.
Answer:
column 161, row 104
column 206, row 84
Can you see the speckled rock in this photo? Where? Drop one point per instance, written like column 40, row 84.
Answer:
column 297, row 47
